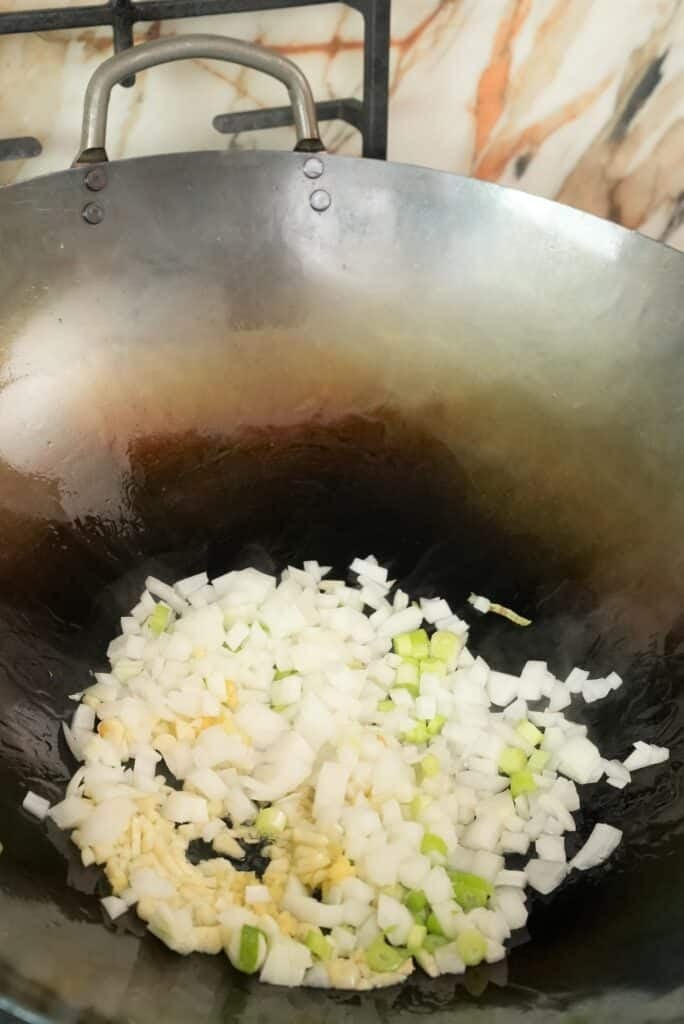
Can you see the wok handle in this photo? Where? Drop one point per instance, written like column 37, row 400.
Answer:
column 161, row 51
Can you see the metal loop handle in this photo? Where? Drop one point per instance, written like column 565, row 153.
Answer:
column 148, row 55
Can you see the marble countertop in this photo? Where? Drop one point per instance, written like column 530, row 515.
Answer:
column 578, row 100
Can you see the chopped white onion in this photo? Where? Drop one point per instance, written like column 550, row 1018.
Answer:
column 287, row 715
column 114, row 906
column 644, row 755
column 36, row 805
column 545, row 875
column 603, row 840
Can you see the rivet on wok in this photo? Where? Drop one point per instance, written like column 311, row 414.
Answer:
column 313, row 167
column 92, row 213
column 96, row 179
column 320, row 200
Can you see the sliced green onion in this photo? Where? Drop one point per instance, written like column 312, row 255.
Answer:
column 470, row 891
column 537, row 761
column 403, row 645
column 433, row 925
column 412, row 645
column 433, row 667
column 433, row 844
column 522, row 782
column 530, row 733
column 419, row 734
column 249, row 954
column 319, row 945
column 446, row 646
column 284, row 673
column 416, row 901
column 408, row 673
column 420, row 644
column 419, row 805
column 270, row 821
column 382, row 957
column 159, row 619
column 386, row 705
column 435, row 725
column 416, row 937
column 472, row 947
column 429, row 766
column 433, row 942
column 512, row 760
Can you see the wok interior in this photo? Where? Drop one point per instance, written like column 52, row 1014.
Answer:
column 272, row 498
column 177, row 398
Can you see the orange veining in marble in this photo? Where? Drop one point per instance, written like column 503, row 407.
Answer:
column 493, row 83
column 500, row 153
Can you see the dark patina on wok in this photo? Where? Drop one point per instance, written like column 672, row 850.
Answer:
column 261, row 358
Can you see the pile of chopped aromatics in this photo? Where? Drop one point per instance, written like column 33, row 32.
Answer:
column 386, row 772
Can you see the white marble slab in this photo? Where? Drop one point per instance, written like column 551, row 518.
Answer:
column 577, row 100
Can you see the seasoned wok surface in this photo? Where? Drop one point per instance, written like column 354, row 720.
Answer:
column 238, row 382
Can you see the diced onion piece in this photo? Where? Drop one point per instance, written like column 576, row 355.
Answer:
column 603, row 840
column 84, row 718
column 576, row 680
column 114, row 906
column 286, row 962
column 257, row 894
column 71, row 812
column 545, row 875
column 551, row 848
column 401, row 622
column 370, row 568
column 191, row 584
column 502, row 688
column 107, row 822
column 580, row 760
column 36, row 805
column 185, row 807
column 166, row 593
column 644, row 755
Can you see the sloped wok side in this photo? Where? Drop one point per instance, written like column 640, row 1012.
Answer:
column 482, row 388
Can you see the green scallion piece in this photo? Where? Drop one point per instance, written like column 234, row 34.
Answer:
column 433, row 844
column 512, row 760
column 159, row 619
column 471, row 947
column 382, row 957
column 446, row 646
column 250, row 947
column 319, row 945
column 522, row 782
column 470, row 891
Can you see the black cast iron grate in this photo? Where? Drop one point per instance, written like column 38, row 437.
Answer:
column 368, row 115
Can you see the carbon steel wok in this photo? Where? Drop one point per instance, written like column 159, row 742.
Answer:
column 213, row 360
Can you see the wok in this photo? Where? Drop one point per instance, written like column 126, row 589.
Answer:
column 214, row 360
